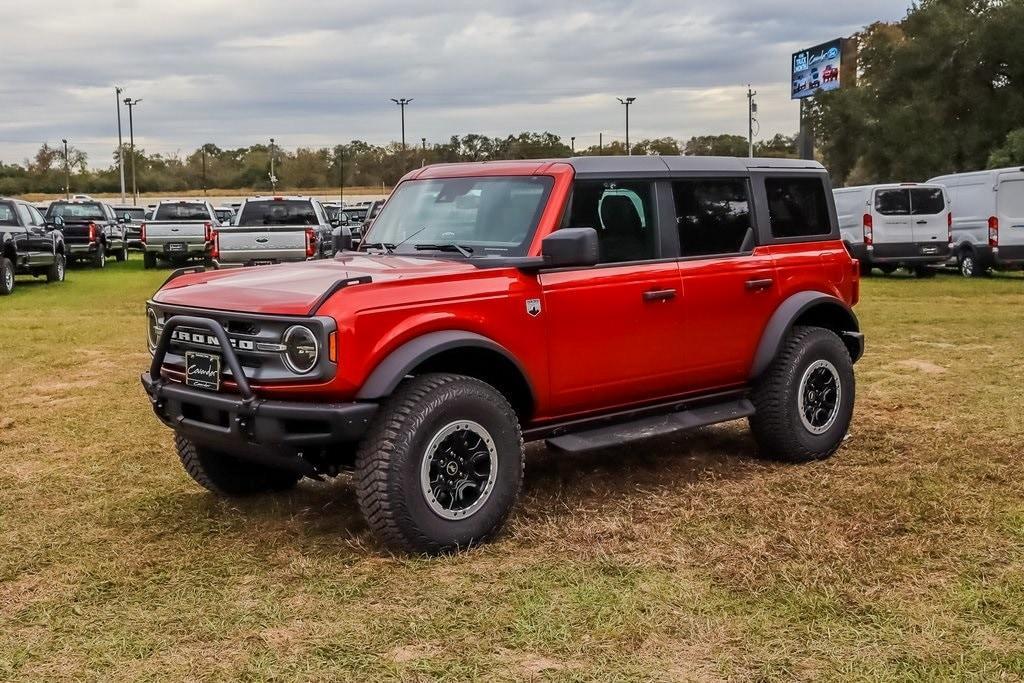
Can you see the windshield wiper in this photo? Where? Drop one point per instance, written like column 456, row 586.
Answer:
column 448, row 246
column 387, row 247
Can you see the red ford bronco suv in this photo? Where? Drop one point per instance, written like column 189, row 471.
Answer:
column 590, row 302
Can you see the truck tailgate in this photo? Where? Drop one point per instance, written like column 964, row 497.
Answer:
column 158, row 232
column 276, row 243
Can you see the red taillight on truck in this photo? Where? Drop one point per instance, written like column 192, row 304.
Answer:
column 215, row 249
column 993, row 231
column 92, row 232
column 142, row 233
column 949, row 227
column 209, row 231
column 869, row 229
column 310, row 242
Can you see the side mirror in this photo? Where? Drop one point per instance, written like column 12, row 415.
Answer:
column 58, row 221
column 570, row 247
column 342, row 238
column 335, row 223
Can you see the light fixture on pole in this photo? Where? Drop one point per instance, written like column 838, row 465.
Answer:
column 120, row 144
column 402, row 103
column 627, row 101
column 131, row 141
column 67, row 171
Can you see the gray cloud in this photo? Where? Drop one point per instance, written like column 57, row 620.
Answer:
column 316, row 72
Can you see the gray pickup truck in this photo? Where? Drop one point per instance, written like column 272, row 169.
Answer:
column 180, row 230
column 274, row 230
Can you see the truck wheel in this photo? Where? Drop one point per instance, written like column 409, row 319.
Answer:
column 55, row 273
column 441, row 466
column 226, row 475
column 122, row 254
column 6, row 276
column 100, row 259
column 968, row 263
column 804, row 402
column 865, row 268
column 148, row 260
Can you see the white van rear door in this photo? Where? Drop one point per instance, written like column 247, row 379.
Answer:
column 1010, row 208
column 928, row 211
column 891, row 216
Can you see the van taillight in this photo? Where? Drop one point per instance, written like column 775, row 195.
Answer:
column 215, row 249
column 868, row 229
column 310, row 242
column 92, row 232
column 209, row 231
column 142, row 233
column 949, row 227
column 993, row 231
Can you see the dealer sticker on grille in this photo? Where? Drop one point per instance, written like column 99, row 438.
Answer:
column 202, row 370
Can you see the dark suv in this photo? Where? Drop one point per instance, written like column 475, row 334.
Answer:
column 91, row 230
column 27, row 246
column 590, row 302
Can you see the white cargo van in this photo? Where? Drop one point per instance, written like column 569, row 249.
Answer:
column 888, row 226
column 988, row 219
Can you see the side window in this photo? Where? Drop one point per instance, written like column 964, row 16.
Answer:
column 23, row 214
column 797, row 207
column 927, row 201
column 622, row 215
column 37, row 218
column 892, row 202
column 713, row 216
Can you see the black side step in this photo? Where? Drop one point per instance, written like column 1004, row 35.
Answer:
column 647, row 427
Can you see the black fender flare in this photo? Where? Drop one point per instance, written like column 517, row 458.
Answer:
column 786, row 315
column 400, row 362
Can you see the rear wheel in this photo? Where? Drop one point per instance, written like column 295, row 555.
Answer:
column 969, row 266
column 122, row 254
column 804, row 402
column 227, row 475
column 441, row 466
column 148, row 260
column 100, row 259
column 56, row 271
column 6, row 276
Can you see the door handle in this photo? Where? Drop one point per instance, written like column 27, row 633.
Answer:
column 760, row 285
column 922, row 222
column 660, row 295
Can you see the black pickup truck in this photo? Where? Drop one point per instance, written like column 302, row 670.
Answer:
column 132, row 217
column 92, row 231
column 27, row 245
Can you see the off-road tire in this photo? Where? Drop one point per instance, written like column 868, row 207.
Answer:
column 6, row 276
column 148, row 260
column 100, row 259
column 389, row 461
column 777, row 425
column 228, row 476
column 57, row 270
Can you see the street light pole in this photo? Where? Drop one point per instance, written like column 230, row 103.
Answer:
column 131, row 140
column 751, row 110
column 67, row 171
column 627, row 101
column 273, row 178
column 572, row 144
column 402, row 104
column 120, row 144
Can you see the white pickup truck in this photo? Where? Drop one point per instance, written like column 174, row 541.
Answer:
column 180, row 230
column 274, row 230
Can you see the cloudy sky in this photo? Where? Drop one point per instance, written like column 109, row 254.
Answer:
column 313, row 73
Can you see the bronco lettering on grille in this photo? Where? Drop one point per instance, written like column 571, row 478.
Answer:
column 204, row 339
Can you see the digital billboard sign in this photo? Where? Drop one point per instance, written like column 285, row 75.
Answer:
column 817, row 69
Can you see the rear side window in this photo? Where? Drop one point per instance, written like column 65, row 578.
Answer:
column 7, row 216
column 621, row 215
column 797, row 207
column 182, row 212
column 713, row 216
column 892, row 202
column 927, row 201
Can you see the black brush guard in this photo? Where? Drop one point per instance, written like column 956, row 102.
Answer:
column 277, row 433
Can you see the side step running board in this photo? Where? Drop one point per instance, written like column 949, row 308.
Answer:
column 647, row 427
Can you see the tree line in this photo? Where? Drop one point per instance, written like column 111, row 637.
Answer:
column 357, row 163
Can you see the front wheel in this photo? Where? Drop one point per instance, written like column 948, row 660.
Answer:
column 804, row 402
column 442, row 465
column 6, row 276
column 56, row 271
column 148, row 260
column 100, row 259
column 122, row 254
column 227, row 475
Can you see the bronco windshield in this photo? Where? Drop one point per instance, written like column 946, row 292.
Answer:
column 484, row 216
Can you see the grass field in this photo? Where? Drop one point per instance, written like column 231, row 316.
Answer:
column 682, row 559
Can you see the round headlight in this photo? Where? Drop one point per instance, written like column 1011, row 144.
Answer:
column 152, row 328
column 301, row 350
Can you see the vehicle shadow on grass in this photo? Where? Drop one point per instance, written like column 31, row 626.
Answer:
column 556, row 485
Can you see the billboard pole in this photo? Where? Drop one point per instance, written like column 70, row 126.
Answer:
column 806, row 134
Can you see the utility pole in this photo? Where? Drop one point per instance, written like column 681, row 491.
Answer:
column 627, row 101
column 273, row 178
column 600, row 142
column 120, row 145
column 572, row 144
column 402, row 104
column 341, row 167
column 751, row 110
column 131, row 139
column 204, row 170
column 67, row 171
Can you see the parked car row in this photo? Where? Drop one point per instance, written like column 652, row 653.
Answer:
column 971, row 221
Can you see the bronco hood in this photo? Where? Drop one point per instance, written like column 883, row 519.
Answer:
column 294, row 288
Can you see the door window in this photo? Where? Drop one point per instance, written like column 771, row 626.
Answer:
column 621, row 214
column 37, row 218
column 892, row 202
column 26, row 219
column 713, row 216
column 927, row 201
column 797, row 207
